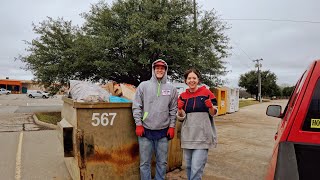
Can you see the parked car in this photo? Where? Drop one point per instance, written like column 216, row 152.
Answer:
column 37, row 93
column 297, row 141
column 4, row 91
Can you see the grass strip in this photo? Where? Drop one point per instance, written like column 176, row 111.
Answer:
column 243, row 103
column 49, row 117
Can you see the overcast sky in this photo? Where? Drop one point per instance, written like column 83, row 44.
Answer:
column 287, row 48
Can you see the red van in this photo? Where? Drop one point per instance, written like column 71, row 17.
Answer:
column 296, row 154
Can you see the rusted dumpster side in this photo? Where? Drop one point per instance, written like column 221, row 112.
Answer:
column 103, row 143
column 175, row 151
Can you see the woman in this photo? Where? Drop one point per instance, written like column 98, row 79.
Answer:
column 198, row 133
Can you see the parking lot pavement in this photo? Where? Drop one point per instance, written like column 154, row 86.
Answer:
column 16, row 111
column 39, row 108
column 42, row 157
column 9, row 143
column 23, row 100
column 27, row 151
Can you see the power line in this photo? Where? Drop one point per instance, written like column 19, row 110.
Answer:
column 238, row 46
column 242, row 50
column 272, row 20
column 245, row 64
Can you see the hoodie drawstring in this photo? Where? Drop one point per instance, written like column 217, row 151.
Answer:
column 158, row 93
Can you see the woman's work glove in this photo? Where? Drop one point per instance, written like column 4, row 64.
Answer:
column 139, row 130
column 180, row 104
column 170, row 132
column 208, row 103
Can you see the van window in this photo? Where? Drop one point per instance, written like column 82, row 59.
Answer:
column 312, row 119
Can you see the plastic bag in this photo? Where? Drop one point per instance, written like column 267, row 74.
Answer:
column 84, row 91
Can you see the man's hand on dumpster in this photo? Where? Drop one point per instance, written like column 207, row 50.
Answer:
column 170, row 132
column 139, row 130
column 208, row 103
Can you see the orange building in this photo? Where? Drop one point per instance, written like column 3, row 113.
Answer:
column 15, row 86
column 31, row 85
column 19, row 86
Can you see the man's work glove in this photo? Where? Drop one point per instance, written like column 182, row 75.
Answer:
column 180, row 104
column 139, row 130
column 208, row 103
column 170, row 132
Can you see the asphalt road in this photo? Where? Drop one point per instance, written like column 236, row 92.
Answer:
column 39, row 108
column 42, row 156
column 16, row 111
column 9, row 143
column 29, row 151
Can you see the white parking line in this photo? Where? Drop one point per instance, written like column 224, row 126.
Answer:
column 18, row 158
column 39, row 104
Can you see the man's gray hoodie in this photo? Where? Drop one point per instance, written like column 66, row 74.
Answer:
column 155, row 103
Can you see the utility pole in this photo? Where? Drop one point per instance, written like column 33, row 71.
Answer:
column 258, row 64
column 194, row 14
column 196, row 54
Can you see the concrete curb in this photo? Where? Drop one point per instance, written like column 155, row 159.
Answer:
column 37, row 121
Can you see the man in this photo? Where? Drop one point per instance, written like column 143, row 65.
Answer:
column 154, row 111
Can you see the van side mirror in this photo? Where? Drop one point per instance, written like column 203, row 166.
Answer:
column 274, row 110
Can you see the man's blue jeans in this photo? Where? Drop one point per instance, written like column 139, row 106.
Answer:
column 195, row 159
column 146, row 149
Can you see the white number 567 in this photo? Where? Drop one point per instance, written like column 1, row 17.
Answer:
column 103, row 119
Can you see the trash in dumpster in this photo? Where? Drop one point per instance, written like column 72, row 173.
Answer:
column 122, row 90
column 118, row 99
column 83, row 91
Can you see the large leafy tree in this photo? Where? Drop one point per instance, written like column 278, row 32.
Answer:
column 51, row 57
column 286, row 91
column 269, row 87
column 120, row 42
